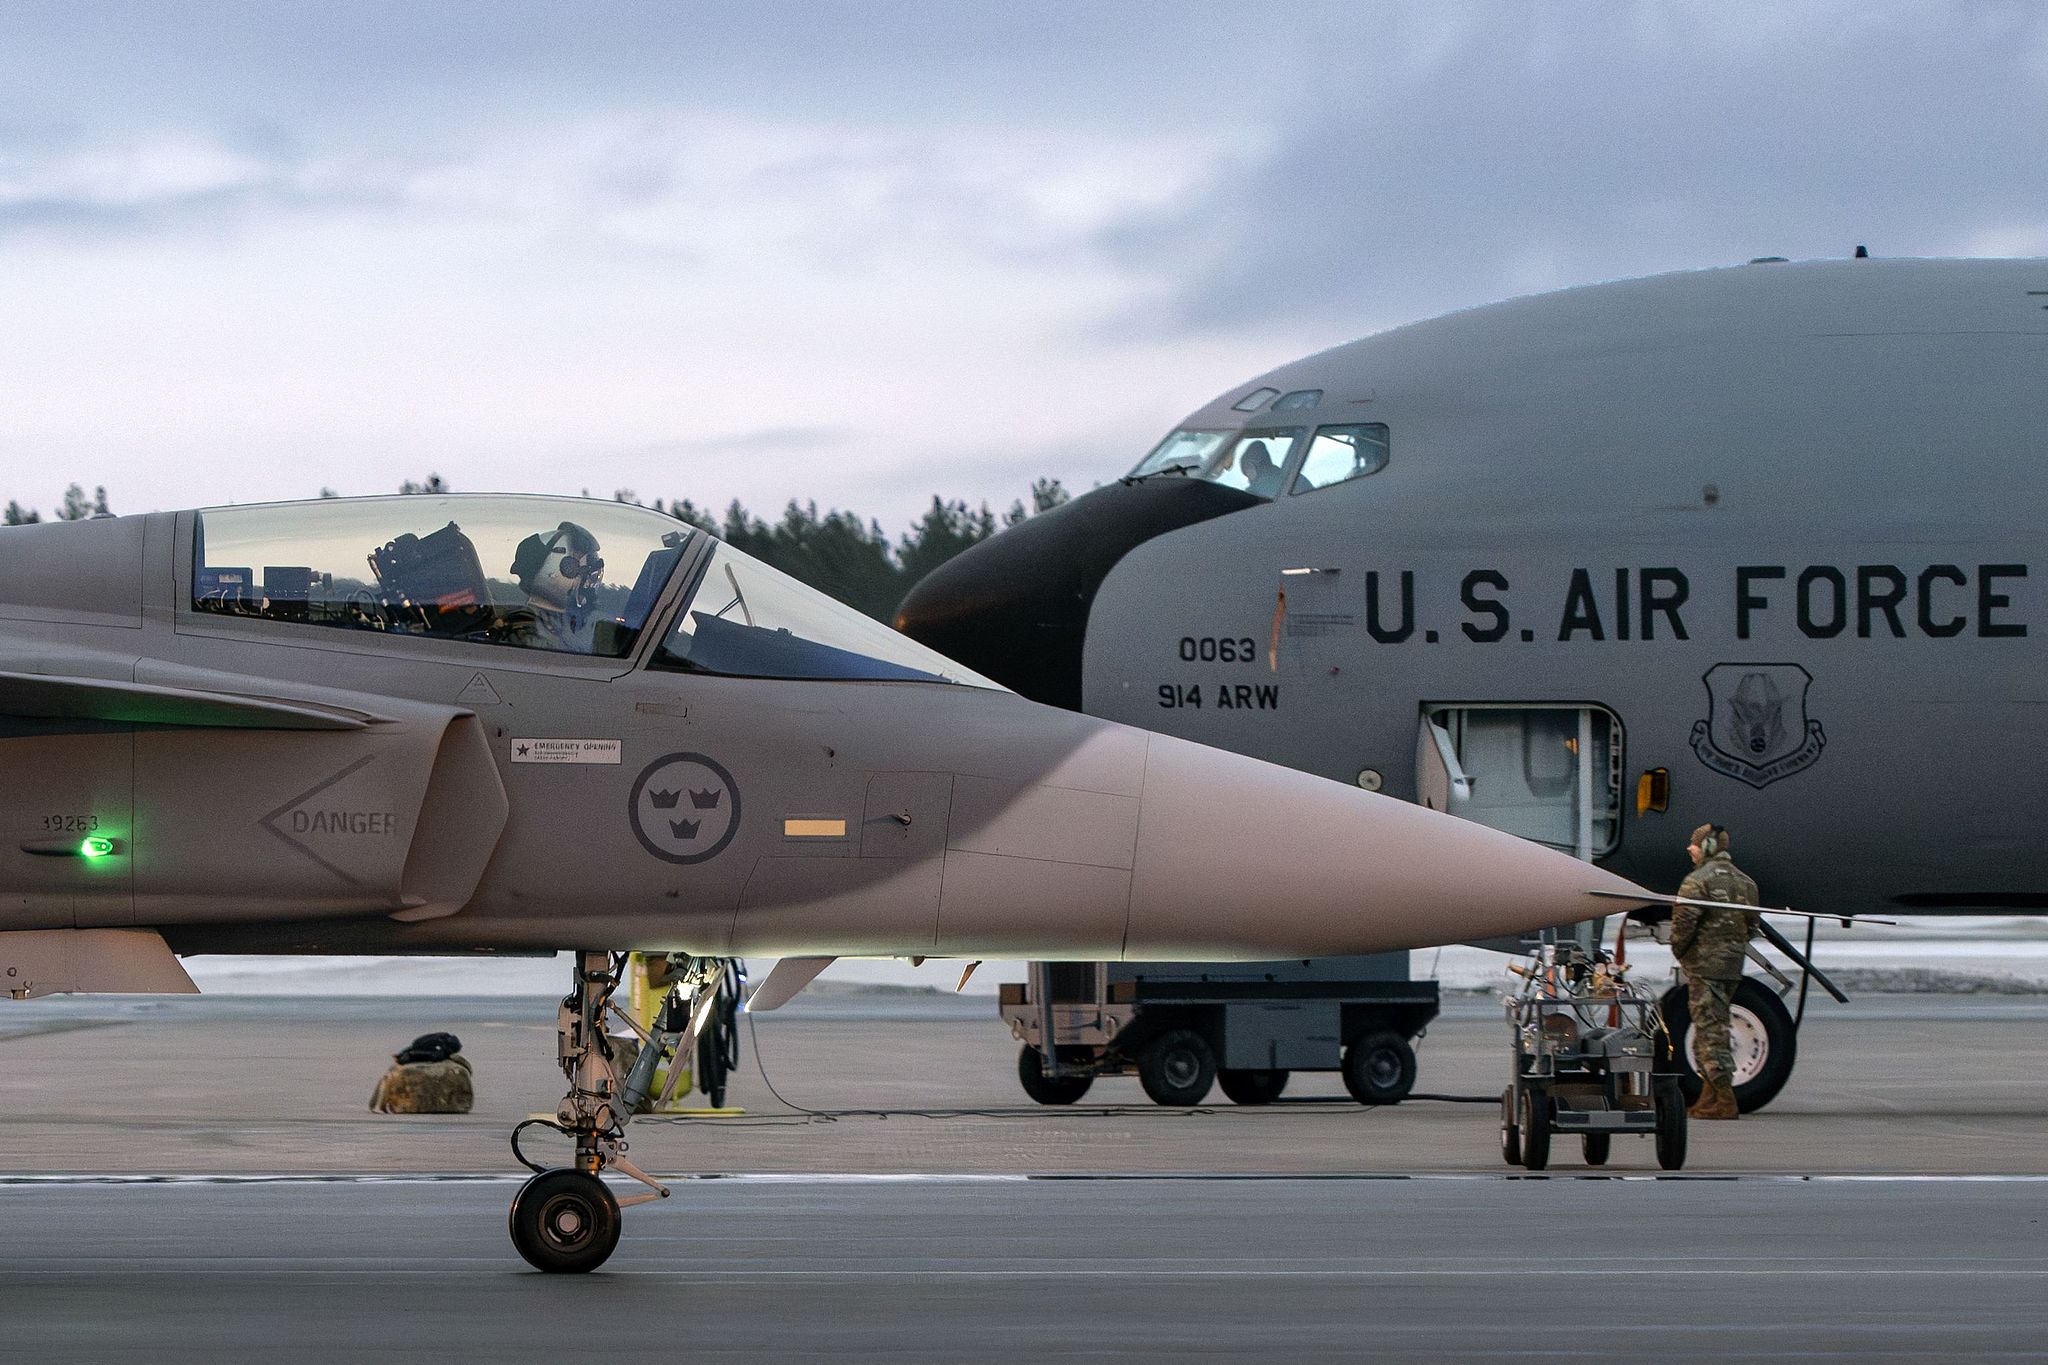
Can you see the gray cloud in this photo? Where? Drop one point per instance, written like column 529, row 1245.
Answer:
column 1555, row 146
column 997, row 242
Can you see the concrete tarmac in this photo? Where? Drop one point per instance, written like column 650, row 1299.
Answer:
column 982, row 1269
column 909, row 1204
column 1914, row 1084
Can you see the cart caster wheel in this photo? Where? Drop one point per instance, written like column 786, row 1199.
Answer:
column 1597, row 1146
column 1510, row 1134
column 565, row 1222
column 1670, row 1125
column 1535, row 1125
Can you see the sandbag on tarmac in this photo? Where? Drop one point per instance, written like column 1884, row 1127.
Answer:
column 430, row 1077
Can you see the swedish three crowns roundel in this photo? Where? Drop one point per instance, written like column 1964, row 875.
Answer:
column 685, row 808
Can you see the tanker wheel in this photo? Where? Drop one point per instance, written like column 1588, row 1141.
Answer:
column 1510, row 1131
column 1597, row 1147
column 1761, row 1036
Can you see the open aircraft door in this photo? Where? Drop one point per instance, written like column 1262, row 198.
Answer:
column 1440, row 781
column 1546, row 772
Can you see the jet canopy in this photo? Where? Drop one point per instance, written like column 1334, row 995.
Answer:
column 567, row 575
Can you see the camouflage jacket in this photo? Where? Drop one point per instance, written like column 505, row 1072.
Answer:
column 1711, row 943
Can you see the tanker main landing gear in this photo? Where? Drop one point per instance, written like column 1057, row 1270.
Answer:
column 566, row 1219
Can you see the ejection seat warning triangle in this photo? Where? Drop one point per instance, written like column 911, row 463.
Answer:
column 480, row 692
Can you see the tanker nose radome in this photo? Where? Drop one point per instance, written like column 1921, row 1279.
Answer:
column 1242, row 859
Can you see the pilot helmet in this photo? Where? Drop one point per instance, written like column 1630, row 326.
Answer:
column 560, row 568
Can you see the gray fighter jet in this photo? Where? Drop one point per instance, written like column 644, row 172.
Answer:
column 1758, row 546
column 517, row 724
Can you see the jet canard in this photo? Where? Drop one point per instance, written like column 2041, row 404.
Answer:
column 443, row 724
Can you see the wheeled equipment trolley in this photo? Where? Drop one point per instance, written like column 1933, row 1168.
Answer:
column 1585, row 1047
column 1184, row 1027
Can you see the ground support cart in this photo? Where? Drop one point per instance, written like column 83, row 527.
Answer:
column 1184, row 1027
column 1585, row 1046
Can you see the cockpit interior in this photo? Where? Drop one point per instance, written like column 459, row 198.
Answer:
column 1262, row 460
column 557, row 574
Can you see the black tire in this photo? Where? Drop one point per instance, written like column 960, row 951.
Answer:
column 1252, row 1087
column 1760, row 1070
column 1379, row 1068
column 1670, row 1125
column 1510, row 1131
column 1177, row 1067
column 1048, row 1089
column 711, row 1071
column 565, row 1222
column 718, row 1050
column 1597, row 1147
column 1535, row 1126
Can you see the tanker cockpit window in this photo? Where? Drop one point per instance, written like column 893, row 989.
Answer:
column 1339, row 454
column 1256, row 399
column 1256, row 461
column 1182, row 453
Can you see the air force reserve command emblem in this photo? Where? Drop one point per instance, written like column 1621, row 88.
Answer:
column 1756, row 729
column 685, row 808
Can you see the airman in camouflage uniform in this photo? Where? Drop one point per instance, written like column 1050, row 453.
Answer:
column 1710, row 945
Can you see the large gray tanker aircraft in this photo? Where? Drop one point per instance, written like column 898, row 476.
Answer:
column 517, row 724
column 1758, row 546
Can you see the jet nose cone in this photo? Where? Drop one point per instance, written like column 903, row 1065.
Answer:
column 1237, row 858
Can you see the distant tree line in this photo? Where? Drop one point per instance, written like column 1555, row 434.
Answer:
column 75, row 507
column 837, row 552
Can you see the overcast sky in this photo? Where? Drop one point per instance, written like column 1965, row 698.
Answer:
column 867, row 252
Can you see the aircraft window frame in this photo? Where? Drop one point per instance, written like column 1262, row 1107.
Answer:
column 1297, row 475
column 1157, row 461
column 1298, row 400
column 838, row 643
column 1225, row 460
column 1256, row 399
column 424, row 578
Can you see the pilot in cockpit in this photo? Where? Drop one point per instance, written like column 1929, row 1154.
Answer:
column 1262, row 476
column 560, row 572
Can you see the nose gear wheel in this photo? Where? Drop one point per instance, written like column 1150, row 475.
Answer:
column 566, row 1220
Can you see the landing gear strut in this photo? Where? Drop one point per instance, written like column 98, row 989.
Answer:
column 566, row 1219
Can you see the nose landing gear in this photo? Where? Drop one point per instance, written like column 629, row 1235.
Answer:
column 566, row 1220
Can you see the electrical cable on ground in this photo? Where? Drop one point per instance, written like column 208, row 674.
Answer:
column 1303, row 1104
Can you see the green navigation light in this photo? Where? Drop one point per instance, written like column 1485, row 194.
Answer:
column 95, row 847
